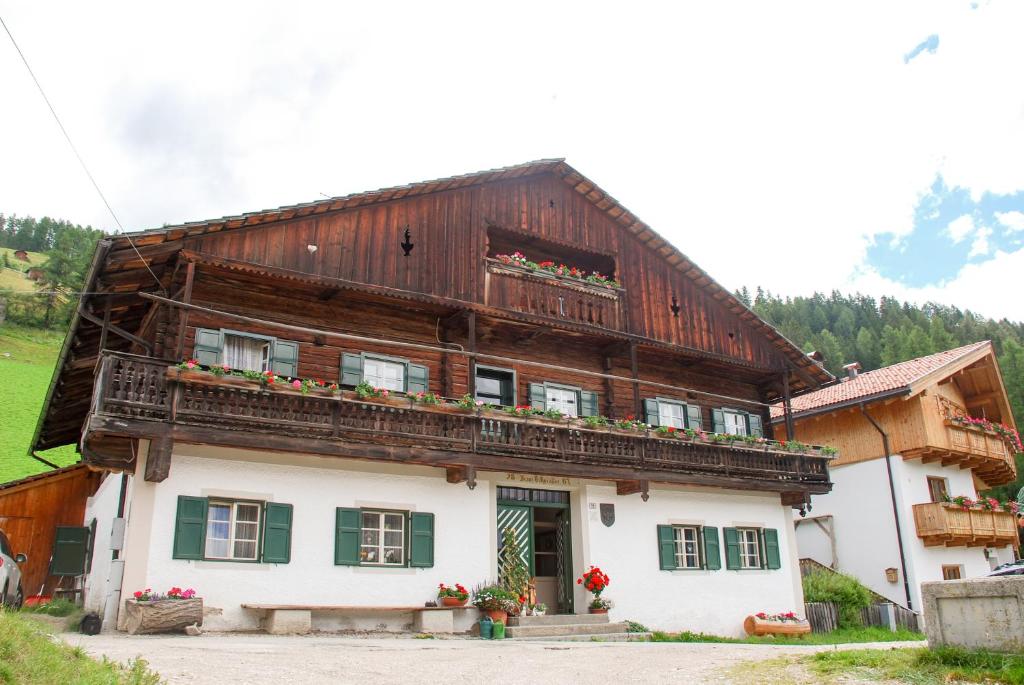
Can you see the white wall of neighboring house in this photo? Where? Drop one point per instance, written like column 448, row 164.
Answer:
column 861, row 506
column 102, row 583
column 465, row 542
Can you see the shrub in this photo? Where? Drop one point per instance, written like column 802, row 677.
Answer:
column 846, row 592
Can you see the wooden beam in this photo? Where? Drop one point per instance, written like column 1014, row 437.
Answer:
column 471, row 347
column 158, row 462
column 186, row 298
column 634, row 366
column 114, row 329
column 461, row 474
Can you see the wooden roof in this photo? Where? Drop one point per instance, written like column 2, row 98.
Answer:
column 128, row 263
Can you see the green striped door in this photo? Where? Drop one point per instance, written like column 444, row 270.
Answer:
column 519, row 519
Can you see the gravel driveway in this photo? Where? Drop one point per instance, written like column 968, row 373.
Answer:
column 256, row 658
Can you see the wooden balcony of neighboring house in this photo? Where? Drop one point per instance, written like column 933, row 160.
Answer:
column 543, row 294
column 140, row 397
column 989, row 454
column 950, row 525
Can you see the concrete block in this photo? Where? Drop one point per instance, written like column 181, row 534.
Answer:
column 434, row 621
column 288, row 621
column 986, row 613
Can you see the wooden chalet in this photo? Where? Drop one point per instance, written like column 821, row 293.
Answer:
column 411, row 288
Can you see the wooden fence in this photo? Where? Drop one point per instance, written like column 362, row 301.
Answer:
column 824, row 616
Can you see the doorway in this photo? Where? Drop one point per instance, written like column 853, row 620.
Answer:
column 543, row 527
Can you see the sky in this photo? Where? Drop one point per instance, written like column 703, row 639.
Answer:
column 870, row 147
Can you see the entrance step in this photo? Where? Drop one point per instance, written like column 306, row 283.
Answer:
column 584, row 630
column 557, row 620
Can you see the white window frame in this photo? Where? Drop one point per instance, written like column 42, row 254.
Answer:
column 380, row 547
column 266, row 353
column 750, row 547
column 233, row 524
column 382, row 381
column 670, row 420
column 739, row 421
column 681, row 556
column 561, row 403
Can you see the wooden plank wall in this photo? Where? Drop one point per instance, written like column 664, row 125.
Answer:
column 449, row 231
column 31, row 511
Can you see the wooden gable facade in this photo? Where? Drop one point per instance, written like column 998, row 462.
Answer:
column 331, row 280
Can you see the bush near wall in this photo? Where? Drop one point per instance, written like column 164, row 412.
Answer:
column 846, row 592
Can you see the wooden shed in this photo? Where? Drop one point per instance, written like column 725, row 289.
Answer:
column 31, row 509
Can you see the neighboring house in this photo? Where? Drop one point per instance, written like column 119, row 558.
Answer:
column 21, row 255
column 272, row 495
column 35, row 273
column 917, row 408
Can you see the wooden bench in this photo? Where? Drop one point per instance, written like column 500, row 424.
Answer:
column 283, row 619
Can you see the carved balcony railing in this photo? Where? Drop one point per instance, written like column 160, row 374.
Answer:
column 946, row 524
column 541, row 294
column 199, row 404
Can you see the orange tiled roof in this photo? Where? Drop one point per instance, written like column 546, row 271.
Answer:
column 870, row 383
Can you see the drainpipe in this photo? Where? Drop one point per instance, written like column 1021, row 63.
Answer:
column 35, row 456
column 895, row 509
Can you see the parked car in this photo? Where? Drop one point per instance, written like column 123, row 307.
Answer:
column 11, row 593
column 1014, row 568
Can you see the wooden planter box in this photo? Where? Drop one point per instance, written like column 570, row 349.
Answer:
column 162, row 616
column 756, row 626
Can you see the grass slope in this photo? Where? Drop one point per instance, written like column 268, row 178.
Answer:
column 26, row 373
column 35, row 259
column 28, row 654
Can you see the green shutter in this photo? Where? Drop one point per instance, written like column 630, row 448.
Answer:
column 285, row 358
column 712, row 555
column 538, row 396
column 190, row 528
column 417, row 379
column 351, row 369
column 588, row 403
column 421, row 540
column 718, row 420
column 208, row 346
column 732, row 548
column 693, row 417
column 754, row 425
column 277, row 533
column 347, row 528
column 666, row 548
column 70, row 547
column 651, row 414
column 773, row 559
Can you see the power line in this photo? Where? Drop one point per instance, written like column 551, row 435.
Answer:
column 81, row 161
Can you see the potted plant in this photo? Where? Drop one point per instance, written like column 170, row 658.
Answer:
column 496, row 602
column 595, row 580
column 786, row 623
column 152, row 612
column 540, row 609
column 456, row 596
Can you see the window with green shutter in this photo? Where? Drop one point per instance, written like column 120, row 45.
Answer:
column 569, row 400
column 732, row 548
column 285, row 358
column 752, row 548
column 377, row 537
column 346, row 536
column 659, row 411
column 216, row 529
column 421, row 539
column 190, row 528
column 712, row 555
column 666, row 548
column 736, row 422
column 246, row 351
column 208, row 345
column 70, row 549
column 277, row 533
column 772, row 554
column 396, row 374
column 688, row 547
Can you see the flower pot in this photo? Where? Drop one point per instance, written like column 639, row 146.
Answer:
column 757, row 626
column 453, row 602
column 497, row 616
column 597, row 611
column 162, row 616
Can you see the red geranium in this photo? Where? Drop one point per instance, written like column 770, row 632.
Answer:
column 595, row 580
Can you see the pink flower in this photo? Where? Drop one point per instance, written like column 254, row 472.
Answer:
column 191, row 363
column 296, row 384
column 384, row 393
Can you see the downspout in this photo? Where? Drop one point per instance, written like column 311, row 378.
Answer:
column 895, row 509
column 32, row 453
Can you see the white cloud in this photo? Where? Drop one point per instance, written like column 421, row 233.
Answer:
column 980, row 247
column 704, row 119
column 1013, row 221
column 960, row 228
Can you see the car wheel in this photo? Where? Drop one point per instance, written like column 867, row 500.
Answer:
column 19, row 598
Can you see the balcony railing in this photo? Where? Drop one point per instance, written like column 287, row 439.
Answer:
column 538, row 293
column 130, row 387
column 945, row 524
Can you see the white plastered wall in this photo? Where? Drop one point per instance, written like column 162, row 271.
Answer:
column 99, row 591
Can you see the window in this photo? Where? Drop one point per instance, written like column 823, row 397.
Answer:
column 564, row 400
column 735, row 423
column 750, row 555
column 687, row 547
column 381, row 373
column 495, row 386
column 232, row 530
column 383, row 538
column 938, row 489
column 671, row 414
column 246, row 353
column 951, row 573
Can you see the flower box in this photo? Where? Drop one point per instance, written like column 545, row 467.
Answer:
column 162, row 616
column 760, row 626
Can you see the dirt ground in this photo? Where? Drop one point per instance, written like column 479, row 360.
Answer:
column 257, row 658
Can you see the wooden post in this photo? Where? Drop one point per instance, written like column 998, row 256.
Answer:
column 609, row 387
column 634, row 364
column 106, row 326
column 158, row 461
column 186, row 297
column 787, row 406
column 471, row 347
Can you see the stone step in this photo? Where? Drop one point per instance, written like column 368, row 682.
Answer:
column 557, row 620
column 610, row 637
column 570, row 630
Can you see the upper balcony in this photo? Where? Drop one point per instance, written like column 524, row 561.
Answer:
column 141, row 397
column 946, row 524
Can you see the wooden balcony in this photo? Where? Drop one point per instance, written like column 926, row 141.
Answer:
column 531, row 292
column 944, row 524
column 140, row 397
